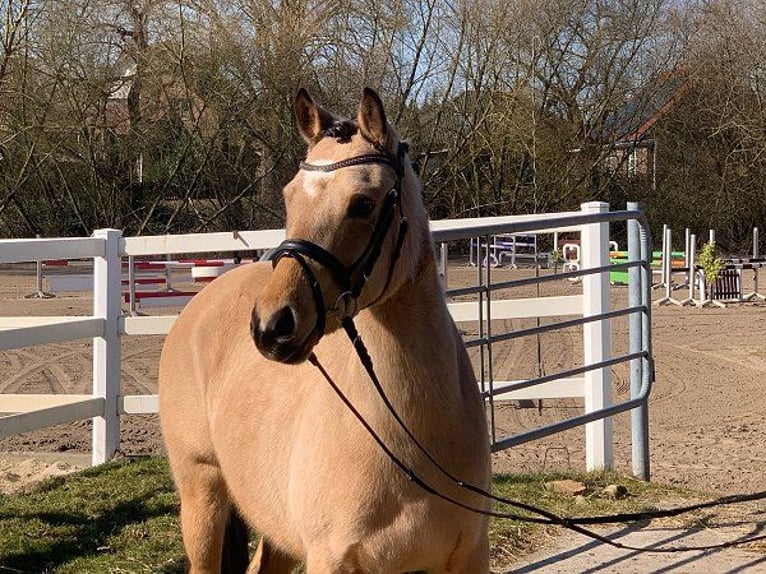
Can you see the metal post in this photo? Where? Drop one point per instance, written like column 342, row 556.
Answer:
column 596, row 338
column 39, row 293
column 647, row 371
column 106, row 348
column 639, row 417
column 443, row 257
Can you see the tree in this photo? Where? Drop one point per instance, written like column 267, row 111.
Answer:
column 715, row 169
column 176, row 115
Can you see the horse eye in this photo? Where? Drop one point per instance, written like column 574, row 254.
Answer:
column 361, row 207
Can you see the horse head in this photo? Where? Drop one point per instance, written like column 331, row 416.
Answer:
column 346, row 229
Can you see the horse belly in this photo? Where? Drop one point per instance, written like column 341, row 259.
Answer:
column 383, row 524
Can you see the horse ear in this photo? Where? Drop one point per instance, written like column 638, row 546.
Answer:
column 372, row 119
column 312, row 119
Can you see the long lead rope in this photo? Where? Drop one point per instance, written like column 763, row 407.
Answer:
column 573, row 524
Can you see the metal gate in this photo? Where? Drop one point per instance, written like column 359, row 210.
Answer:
column 483, row 305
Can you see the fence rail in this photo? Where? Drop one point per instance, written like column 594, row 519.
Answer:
column 20, row 250
column 589, row 310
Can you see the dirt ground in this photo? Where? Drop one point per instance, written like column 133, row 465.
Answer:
column 707, row 428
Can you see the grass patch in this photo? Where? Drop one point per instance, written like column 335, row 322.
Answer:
column 512, row 539
column 123, row 517
column 119, row 517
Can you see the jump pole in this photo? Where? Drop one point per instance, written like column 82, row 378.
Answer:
column 690, row 262
column 168, row 274
column 39, row 293
column 664, row 251
column 703, row 301
column 443, row 261
column 470, row 250
column 687, row 241
column 755, row 294
column 666, row 269
column 132, row 286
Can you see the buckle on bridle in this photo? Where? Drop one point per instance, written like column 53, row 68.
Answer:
column 348, row 298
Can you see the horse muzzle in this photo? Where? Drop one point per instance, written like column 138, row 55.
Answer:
column 283, row 321
column 277, row 338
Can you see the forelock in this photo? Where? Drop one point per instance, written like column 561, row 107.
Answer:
column 342, row 130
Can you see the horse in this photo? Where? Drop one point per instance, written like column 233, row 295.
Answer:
column 250, row 423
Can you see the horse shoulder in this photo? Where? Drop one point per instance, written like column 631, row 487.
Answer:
column 203, row 331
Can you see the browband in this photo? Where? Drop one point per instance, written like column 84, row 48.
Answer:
column 348, row 162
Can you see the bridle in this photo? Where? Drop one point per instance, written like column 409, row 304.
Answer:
column 352, row 278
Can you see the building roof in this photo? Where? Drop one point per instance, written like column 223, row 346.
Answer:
column 641, row 113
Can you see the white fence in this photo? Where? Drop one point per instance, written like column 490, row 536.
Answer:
column 110, row 322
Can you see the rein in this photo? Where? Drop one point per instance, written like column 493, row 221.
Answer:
column 544, row 516
column 301, row 249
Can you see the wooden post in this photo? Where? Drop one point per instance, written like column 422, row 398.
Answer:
column 107, row 275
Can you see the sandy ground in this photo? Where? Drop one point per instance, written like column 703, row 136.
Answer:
column 707, row 428
column 573, row 554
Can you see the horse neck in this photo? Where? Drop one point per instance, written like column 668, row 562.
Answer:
column 411, row 338
column 413, row 341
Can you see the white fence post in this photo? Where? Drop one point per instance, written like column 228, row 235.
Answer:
column 106, row 349
column 594, row 241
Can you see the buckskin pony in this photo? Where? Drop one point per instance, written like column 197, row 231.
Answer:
column 253, row 427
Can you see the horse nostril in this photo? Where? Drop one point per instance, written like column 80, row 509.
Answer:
column 284, row 325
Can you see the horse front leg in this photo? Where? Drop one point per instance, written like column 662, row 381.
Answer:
column 341, row 559
column 204, row 513
column 269, row 560
column 468, row 559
